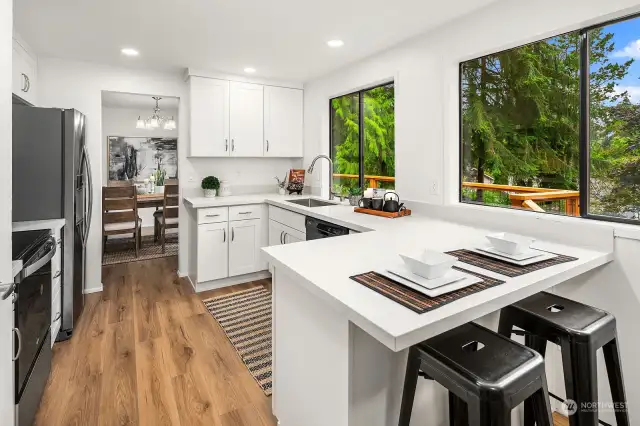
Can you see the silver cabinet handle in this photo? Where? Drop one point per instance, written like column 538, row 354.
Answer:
column 19, row 336
column 224, row 235
column 267, row 145
column 233, row 145
column 284, row 238
column 226, row 145
column 28, row 83
column 233, row 234
column 24, row 82
column 281, row 234
column 57, row 274
column 212, row 215
column 57, row 317
column 244, row 212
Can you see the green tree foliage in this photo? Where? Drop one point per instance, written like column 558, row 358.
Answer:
column 521, row 113
column 379, row 134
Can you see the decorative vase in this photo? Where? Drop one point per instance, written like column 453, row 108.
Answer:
column 225, row 189
column 159, row 189
column 281, row 191
column 354, row 200
column 209, row 193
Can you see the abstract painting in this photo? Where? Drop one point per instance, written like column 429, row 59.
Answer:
column 136, row 158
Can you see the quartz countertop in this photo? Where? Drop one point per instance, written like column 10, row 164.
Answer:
column 324, row 267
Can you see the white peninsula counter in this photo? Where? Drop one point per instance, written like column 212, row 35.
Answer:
column 340, row 348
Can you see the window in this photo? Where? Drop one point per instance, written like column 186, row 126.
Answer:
column 363, row 139
column 554, row 126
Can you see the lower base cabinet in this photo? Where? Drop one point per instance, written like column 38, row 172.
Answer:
column 244, row 247
column 282, row 234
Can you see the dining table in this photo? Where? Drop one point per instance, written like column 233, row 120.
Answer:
column 149, row 200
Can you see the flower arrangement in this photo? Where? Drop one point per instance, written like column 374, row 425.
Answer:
column 281, row 184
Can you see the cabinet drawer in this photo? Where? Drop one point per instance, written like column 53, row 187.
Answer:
column 289, row 218
column 250, row 211
column 213, row 215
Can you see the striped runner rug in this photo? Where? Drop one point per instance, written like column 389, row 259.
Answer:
column 245, row 317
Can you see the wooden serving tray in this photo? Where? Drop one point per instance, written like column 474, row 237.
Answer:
column 380, row 213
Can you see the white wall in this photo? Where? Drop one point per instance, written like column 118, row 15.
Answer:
column 425, row 70
column 71, row 84
column 122, row 122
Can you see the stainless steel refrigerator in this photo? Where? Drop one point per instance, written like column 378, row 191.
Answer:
column 52, row 180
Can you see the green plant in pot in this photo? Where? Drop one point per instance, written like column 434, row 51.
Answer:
column 210, row 185
column 355, row 194
column 158, row 179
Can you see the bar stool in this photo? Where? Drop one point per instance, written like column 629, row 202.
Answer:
column 580, row 330
column 486, row 374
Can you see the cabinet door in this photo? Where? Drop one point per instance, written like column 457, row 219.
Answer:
column 209, row 117
column 247, row 119
column 244, row 247
column 276, row 231
column 283, row 112
column 213, row 253
column 293, row 236
column 24, row 74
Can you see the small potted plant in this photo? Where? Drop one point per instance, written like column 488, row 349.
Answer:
column 210, row 185
column 281, row 184
column 355, row 194
column 158, row 177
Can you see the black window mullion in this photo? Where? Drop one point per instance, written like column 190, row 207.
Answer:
column 361, row 138
column 584, row 140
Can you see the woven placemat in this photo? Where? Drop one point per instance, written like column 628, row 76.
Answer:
column 415, row 300
column 505, row 268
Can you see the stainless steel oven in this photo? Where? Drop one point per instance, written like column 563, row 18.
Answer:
column 31, row 295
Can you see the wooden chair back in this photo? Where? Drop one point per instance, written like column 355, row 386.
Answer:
column 171, row 204
column 119, row 183
column 119, row 205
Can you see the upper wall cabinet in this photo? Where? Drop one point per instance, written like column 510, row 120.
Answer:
column 24, row 76
column 247, row 119
column 209, row 117
column 283, row 109
column 233, row 119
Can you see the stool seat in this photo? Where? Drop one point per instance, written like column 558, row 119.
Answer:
column 488, row 367
column 487, row 375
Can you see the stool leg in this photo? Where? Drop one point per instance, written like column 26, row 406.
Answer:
column 478, row 415
column 581, row 381
column 505, row 325
column 539, row 345
column 409, row 390
column 614, row 372
column 541, row 407
column 458, row 415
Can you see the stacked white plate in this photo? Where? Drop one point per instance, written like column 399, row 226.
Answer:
column 451, row 281
column 527, row 257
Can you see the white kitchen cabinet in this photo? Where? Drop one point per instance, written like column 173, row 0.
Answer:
column 209, row 117
column 293, row 236
column 246, row 119
column 213, row 252
column 282, row 234
column 24, row 76
column 283, row 122
column 244, row 247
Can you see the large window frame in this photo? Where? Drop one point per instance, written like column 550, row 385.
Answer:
column 361, row 129
column 584, row 140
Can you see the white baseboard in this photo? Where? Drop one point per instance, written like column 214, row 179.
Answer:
column 226, row 282
column 93, row 290
column 181, row 275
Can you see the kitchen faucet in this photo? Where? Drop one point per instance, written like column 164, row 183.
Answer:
column 313, row 163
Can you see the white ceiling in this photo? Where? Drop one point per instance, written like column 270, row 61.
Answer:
column 128, row 100
column 282, row 39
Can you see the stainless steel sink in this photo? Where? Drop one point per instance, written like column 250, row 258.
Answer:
column 311, row 202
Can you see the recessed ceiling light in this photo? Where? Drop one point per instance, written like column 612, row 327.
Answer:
column 335, row 43
column 250, row 70
column 129, row 52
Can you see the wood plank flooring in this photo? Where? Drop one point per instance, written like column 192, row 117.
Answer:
column 146, row 352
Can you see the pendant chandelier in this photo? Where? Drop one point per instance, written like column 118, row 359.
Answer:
column 156, row 121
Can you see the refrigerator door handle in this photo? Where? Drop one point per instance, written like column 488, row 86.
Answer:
column 89, row 211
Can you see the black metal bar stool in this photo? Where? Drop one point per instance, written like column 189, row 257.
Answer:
column 486, row 374
column 580, row 330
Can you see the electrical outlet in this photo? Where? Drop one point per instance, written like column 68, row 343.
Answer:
column 433, row 187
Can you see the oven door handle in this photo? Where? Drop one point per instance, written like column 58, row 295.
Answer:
column 31, row 269
column 9, row 291
column 19, row 336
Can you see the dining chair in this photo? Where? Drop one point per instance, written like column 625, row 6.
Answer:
column 119, row 183
column 167, row 218
column 120, row 214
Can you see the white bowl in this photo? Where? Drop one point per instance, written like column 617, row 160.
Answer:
column 429, row 264
column 510, row 243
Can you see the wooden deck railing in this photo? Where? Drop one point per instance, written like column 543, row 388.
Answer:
column 373, row 180
column 526, row 197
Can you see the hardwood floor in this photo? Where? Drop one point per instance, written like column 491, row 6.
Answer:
column 146, row 352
